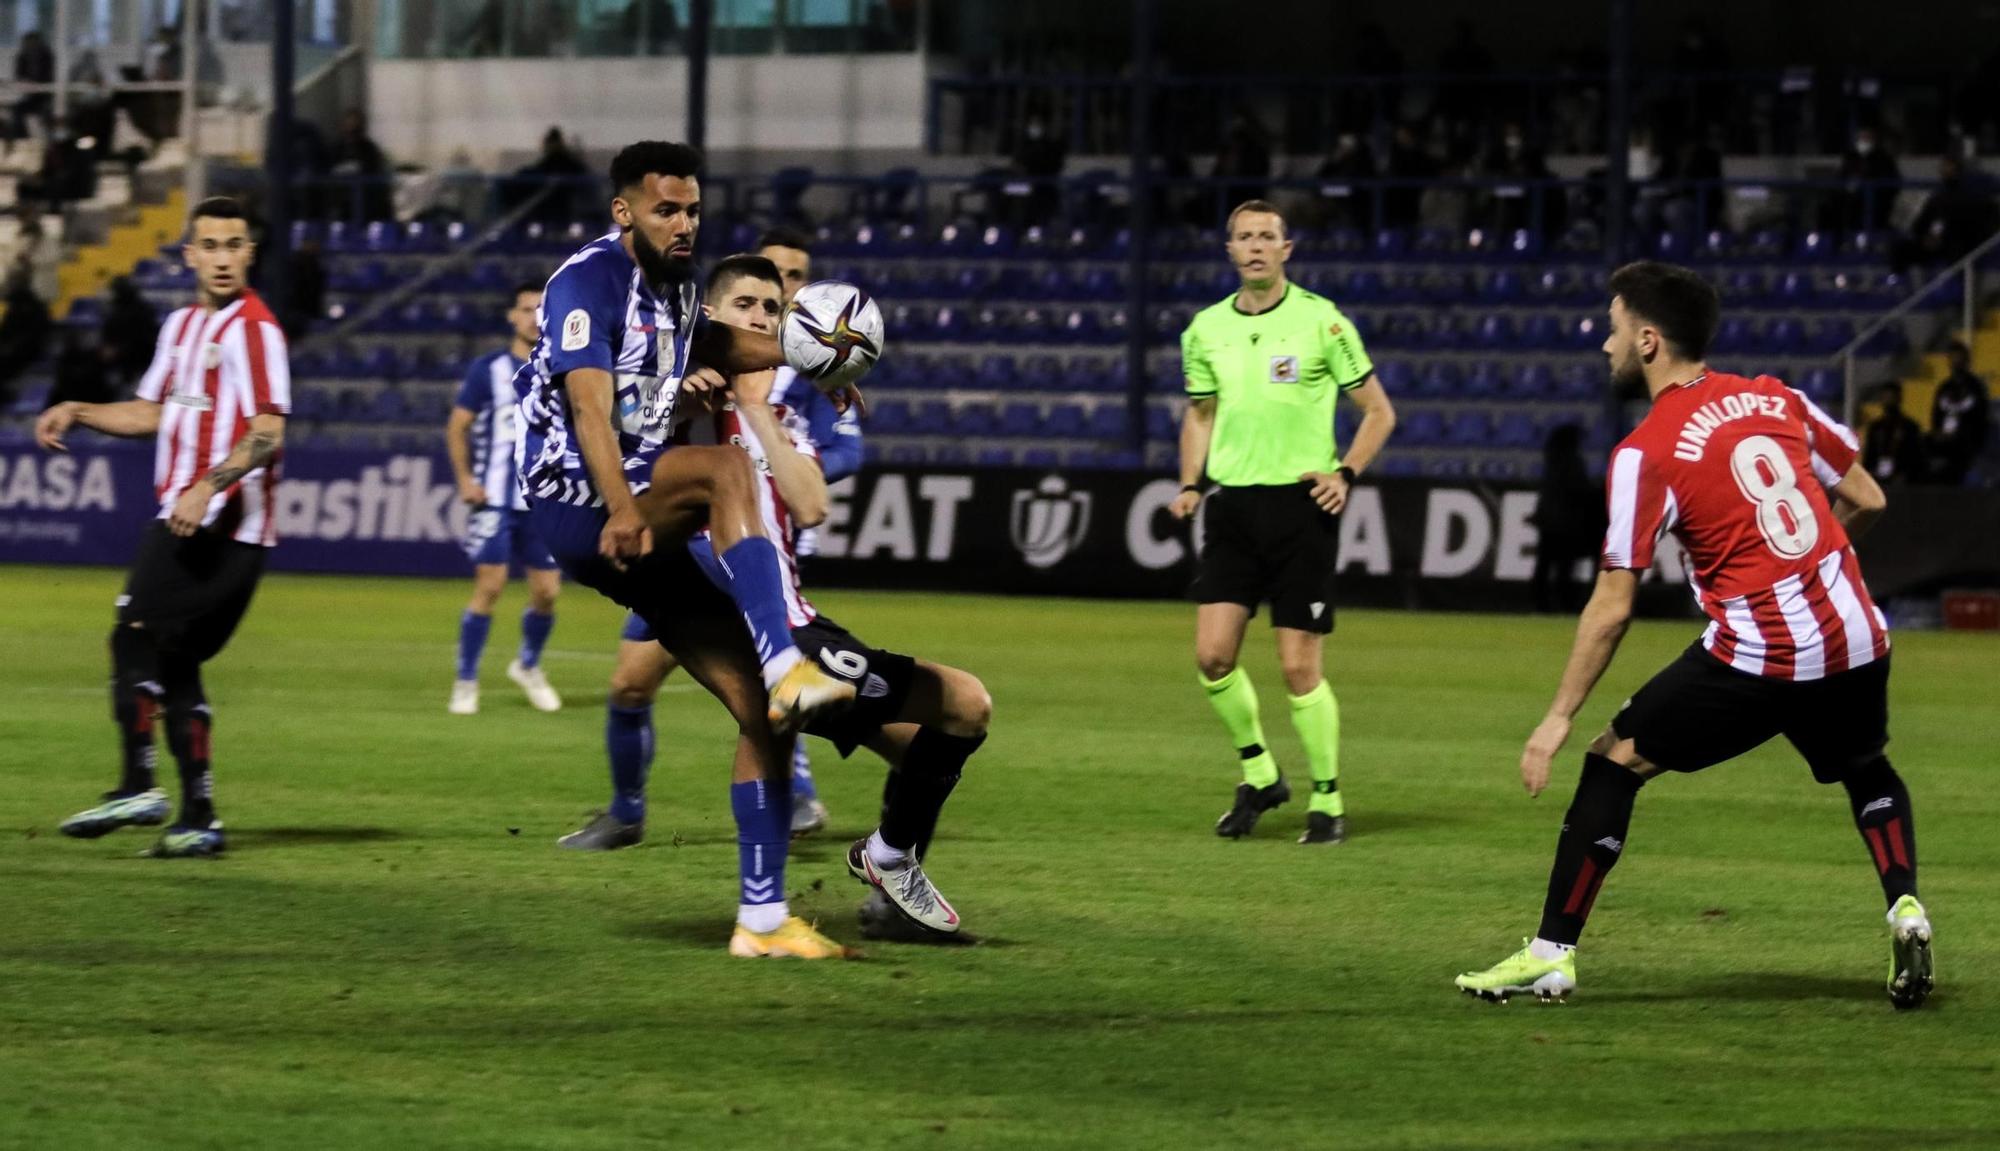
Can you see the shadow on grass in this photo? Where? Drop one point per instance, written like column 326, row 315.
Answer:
column 1768, row 986
column 309, row 836
column 712, row 931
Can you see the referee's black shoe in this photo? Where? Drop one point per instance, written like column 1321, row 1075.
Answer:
column 1324, row 828
column 1251, row 804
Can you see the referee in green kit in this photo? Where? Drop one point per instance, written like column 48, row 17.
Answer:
column 1264, row 368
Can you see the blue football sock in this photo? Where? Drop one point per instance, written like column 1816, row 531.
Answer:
column 535, row 628
column 763, row 833
column 628, row 740
column 472, row 629
column 803, row 787
column 755, row 582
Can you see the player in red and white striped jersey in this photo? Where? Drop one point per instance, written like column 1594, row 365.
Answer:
column 215, row 398
column 1764, row 490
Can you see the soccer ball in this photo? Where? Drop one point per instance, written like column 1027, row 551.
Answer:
column 832, row 334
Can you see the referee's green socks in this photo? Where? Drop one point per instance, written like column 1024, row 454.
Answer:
column 1235, row 701
column 1316, row 716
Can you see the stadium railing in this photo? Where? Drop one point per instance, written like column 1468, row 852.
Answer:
column 1783, row 112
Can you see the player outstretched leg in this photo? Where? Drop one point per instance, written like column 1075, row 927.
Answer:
column 643, row 665
column 719, row 485
column 135, row 703
column 942, row 720
column 1881, row 806
column 1592, row 839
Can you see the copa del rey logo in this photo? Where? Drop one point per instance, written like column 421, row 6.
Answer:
column 1048, row 522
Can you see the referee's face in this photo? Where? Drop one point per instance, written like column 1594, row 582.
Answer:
column 1258, row 247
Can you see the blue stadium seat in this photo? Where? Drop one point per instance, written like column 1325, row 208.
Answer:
column 1717, row 245
column 1110, row 422
column 1816, row 247
column 931, row 418
column 1580, row 382
column 1503, row 286
column 1083, row 374
column 888, row 418
column 1485, row 381
column 1399, row 466
column 1784, row 335
column 1795, row 289
column 1019, row 420
column 1064, row 420
column 1079, row 326
column 905, row 455
column 1160, row 423
column 947, row 324
column 1469, row 429
column 1734, row 335
column 1398, row 377
column 1516, row 430
column 974, row 421
column 1822, row 385
column 1542, row 332
column 996, row 241
column 997, row 372
column 1498, row 470
column 1495, row 330
column 1041, row 373
column 1040, row 458
column 1423, row 428
column 1363, row 286
column 1533, row 382
column 995, row 457
column 1440, row 380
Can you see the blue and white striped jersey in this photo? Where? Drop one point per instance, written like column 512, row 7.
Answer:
column 598, row 312
column 488, row 393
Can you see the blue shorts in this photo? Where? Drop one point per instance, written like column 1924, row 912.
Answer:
column 505, row 536
column 665, row 589
column 636, row 630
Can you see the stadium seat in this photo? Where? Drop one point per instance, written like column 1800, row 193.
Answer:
column 1064, row 420
column 997, row 372
column 1018, row 421
column 1423, row 428
column 999, row 456
column 1083, row 374
column 1440, row 380
column 1161, row 424
column 1040, row 458
column 974, row 421
column 1041, row 373
column 1532, row 382
column 1494, row 330
column 1516, row 430
column 1110, row 421
column 1469, row 429
column 930, row 418
column 888, row 418
column 1485, row 381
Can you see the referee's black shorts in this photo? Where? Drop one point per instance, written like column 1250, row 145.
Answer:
column 190, row 593
column 1699, row 711
column 1269, row 544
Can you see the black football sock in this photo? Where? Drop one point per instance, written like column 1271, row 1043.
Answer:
column 135, row 704
column 188, row 720
column 916, row 792
column 1593, row 836
column 1882, row 811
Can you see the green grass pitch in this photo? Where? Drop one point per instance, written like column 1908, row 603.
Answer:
column 394, row 955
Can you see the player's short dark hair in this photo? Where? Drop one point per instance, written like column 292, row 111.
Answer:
column 1676, row 300
column 635, row 162
column 740, row 265
column 783, row 236
column 218, row 208
column 526, row 286
column 1229, row 225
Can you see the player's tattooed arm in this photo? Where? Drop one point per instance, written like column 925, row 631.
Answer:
column 253, row 451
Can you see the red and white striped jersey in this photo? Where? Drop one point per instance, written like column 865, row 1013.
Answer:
column 211, row 372
column 725, row 426
column 1737, row 469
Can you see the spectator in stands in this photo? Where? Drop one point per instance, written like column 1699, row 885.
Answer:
column 1245, row 160
column 1040, row 157
column 1509, row 158
column 80, row 371
column 1893, row 448
column 1569, row 520
column 1870, row 179
column 1412, row 163
column 308, row 300
column 69, row 166
column 1958, row 215
column 163, row 54
column 559, row 172
column 357, row 162
column 1351, row 160
column 33, row 64
column 1961, row 415
column 128, row 333
column 24, row 331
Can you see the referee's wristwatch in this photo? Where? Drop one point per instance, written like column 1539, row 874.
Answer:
column 1345, row 473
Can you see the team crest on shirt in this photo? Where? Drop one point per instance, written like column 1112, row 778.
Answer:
column 1284, row 369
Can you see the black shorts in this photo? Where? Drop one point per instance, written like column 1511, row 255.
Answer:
column 1699, row 711
column 881, row 679
column 191, row 592
column 1270, row 544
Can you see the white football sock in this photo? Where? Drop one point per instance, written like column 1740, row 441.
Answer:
column 883, row 854
column 776, row 667
column 763, row 918
column 1543, row 949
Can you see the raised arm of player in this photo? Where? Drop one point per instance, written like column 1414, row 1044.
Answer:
column 259, row 447
column 1598, row 633
column 592, row 396
column 130, row 418
column 836, row 434
column 800, row 482
column 739, row 351
column 1858, row 501
column 1197, row 429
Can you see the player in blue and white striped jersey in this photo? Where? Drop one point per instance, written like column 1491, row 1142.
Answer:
column 643, row 665
column 622, row 332
column 479, row 437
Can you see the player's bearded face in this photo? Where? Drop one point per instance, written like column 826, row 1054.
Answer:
column 1621, row 346
column 662, row 217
